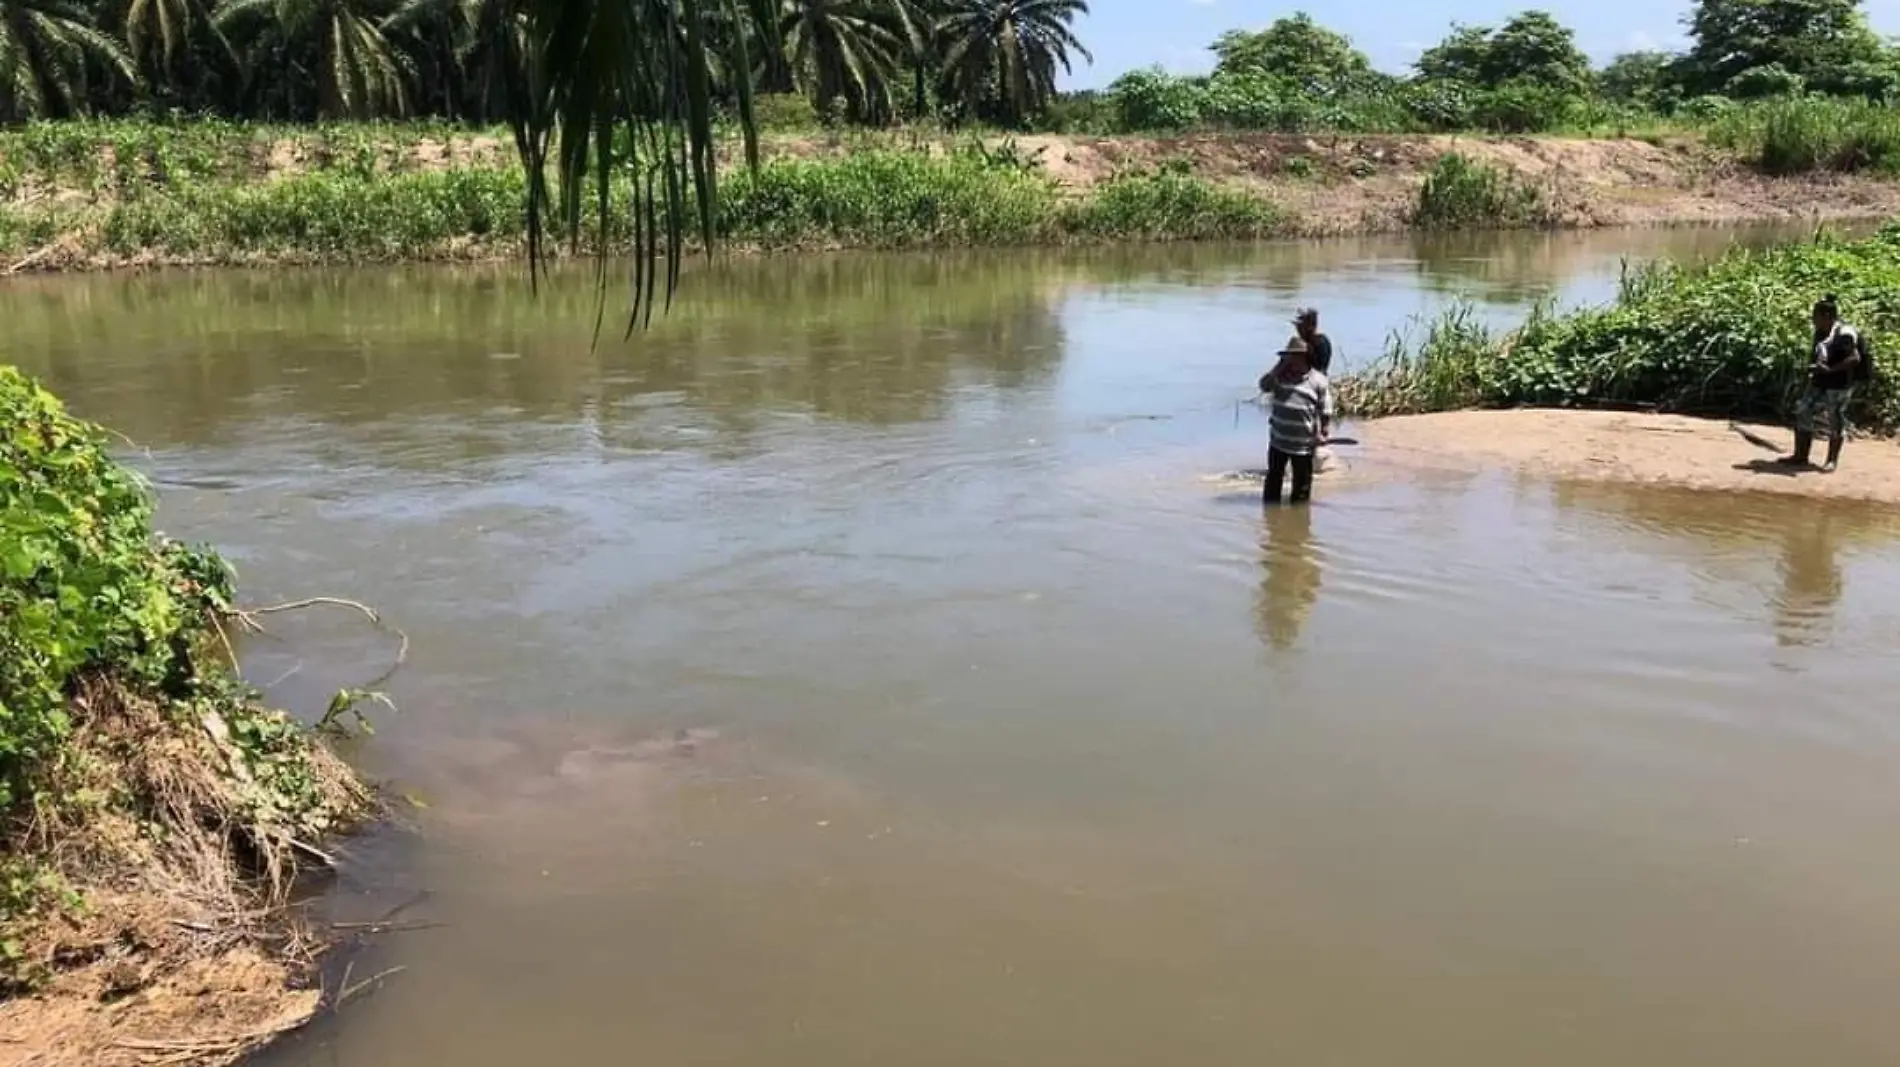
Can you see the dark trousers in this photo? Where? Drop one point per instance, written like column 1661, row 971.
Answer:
column 1277, row 462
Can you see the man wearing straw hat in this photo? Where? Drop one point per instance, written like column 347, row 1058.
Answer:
column 1301, row 406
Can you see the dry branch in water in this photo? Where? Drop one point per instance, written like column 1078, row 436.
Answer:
column 247, row 617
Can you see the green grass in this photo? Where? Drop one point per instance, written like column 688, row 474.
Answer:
column 213, row 191
column 1812, row 134
column 1460, row 193
column 1168, row 205
column 1437, row 365
column 229, row 193
column 889, row 199
column 1727, row 339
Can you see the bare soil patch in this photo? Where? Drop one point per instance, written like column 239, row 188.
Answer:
column 1634, row 448
column 1337, row 184
column 162, row 988
column 185, row 948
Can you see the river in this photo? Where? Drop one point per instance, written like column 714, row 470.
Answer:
column 862, row 667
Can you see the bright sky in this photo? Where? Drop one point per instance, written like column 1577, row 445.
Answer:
column 1129, row 34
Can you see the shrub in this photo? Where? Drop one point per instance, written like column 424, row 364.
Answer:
column 1156, row 100
column 1819, row 134
column 888, row 199
column 785, row 112
column 1769, row 80
column 1730, row 339
column 1439, row 104
column 81, row 586
column 1171, row 205
column 1462, row 193
column 1525, row 107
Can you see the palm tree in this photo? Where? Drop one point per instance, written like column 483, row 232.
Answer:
column 846, row 48
column 359, row 72
column 46, row 49
column 464, row 45
column 155, row 30
column 1002, row 55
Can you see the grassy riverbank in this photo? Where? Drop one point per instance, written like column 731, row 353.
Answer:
column 154, row 815
column 1729, row 339
column 79, row 195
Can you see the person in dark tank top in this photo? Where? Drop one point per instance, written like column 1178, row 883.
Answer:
column 1832, row 373
column 1319, row 347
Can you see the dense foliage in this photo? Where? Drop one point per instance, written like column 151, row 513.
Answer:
column 865, row 60
column 82, row 584
column 93, row 602
column 1525, row 75
column 1463, row 194
column 1731, row 338
column 358, row 192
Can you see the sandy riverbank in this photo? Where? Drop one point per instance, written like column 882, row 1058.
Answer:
column 1632, row 448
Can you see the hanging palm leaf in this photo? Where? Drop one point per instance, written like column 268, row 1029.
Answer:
column 609, row 87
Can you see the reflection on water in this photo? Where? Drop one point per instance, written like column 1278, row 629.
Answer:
column 1737, row 538
column 862, row 667
column 1518, row 272
column 1811, row 581
column 1290, row 575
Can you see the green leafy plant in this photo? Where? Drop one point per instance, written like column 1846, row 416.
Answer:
column 1729, row 338
column 1462, row 193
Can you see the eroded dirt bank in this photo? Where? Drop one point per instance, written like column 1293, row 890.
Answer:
column 1632, row 448
column 1339, row 185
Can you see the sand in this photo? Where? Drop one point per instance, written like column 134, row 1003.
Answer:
column 1631, row 448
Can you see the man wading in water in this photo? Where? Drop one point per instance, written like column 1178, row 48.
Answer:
column 1838, row 365
column 1302, row 419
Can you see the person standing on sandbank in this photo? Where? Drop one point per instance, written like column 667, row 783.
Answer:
column 1301, row 420
column 1838, row 364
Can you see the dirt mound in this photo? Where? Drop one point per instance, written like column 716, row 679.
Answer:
column 179, row 945
column 163, row 988
column 1631, row 448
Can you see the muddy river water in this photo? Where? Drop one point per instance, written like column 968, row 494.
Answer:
column 862, row 668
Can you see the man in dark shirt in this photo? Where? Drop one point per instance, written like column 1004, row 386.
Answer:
column 1830, row 388
column 1319, row 347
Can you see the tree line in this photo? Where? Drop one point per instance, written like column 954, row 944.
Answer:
column 1524, row 74
column 864, row 61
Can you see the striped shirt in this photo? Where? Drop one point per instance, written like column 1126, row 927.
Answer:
column 1298, row 409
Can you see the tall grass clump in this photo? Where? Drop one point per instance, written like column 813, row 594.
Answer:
column 1802, row 135
column 889, row 199
column 1170, row 205
column 1441, row 363
column 322, row 215
column 1727, row 339
column 1461, row 193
